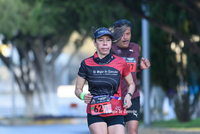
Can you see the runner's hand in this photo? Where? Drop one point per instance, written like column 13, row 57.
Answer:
column 127, row 101
column 87, row 98
column 144, row 63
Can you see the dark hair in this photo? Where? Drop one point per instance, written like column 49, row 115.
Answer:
column 122, row 22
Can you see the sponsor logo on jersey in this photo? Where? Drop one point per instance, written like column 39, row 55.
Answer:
column 119, row 51
column 131, row 50
column 105, row 72
column 118, row 108
column 130, row 59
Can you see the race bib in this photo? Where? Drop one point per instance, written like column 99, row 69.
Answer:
column 100, row 105
column 131, row 62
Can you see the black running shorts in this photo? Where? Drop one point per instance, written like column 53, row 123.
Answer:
column 134, row 110
column 111, row 120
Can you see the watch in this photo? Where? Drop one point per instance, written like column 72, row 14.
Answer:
column 130, row 94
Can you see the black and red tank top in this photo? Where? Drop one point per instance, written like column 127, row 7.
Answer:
column 131, row 55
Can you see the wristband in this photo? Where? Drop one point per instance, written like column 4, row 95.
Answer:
column 139, row 67
column 130, row 94
column 82, row 95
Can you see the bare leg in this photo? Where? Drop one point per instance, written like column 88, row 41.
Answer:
column 98, row 128
column 132, row 127
column 116, row 129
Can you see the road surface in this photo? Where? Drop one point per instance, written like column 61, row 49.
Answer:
column 46, row 129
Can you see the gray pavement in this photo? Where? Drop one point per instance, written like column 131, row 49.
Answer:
column 74, row 126
column 79, row 129
column 46, row 129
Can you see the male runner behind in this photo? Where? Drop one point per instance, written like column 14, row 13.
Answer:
column 130, row 52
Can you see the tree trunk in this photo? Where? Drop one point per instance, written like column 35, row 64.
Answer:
column 29, row 110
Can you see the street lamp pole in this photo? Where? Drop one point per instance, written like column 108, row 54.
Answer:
column 145, row 73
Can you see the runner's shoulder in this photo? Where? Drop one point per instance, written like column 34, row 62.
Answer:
column 132, row 44
column 87, row 60
column 119, row 59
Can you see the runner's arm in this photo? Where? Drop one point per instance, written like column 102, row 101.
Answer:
column 144, row 63
column 79, row 89
column 131, row 89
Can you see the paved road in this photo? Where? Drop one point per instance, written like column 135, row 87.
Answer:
column 77, row 129
column 46, row 129
column 78, row 126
